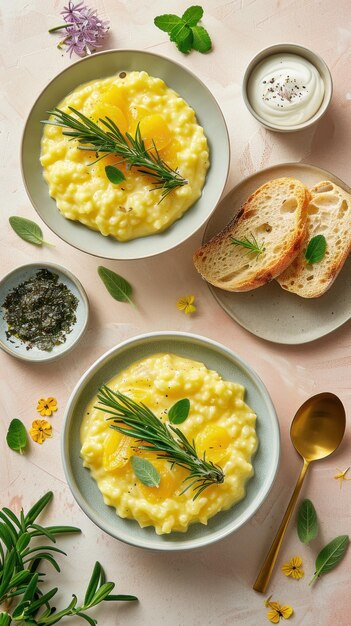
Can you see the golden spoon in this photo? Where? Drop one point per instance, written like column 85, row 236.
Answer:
column 316, row 431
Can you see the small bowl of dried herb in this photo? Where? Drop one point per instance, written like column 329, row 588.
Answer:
column 43, row 312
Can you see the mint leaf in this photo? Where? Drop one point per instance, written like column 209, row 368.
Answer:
column 16, row 436
column 201, row 39
column 179, row 411
column 192, row 15
column 184, row 32
column 114, row 175
column 316, row 249
column 166, row 22
column 145, row 471
column 184, row 40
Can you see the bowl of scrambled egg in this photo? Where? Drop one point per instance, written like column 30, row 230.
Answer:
column 198, row 455
column 125, row 154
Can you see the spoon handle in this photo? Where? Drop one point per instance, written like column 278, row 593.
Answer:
column 263, row 578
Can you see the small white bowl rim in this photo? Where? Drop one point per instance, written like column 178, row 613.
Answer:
column 290, row 47
column 196, row 78
column 82, row 293
column 198, row 542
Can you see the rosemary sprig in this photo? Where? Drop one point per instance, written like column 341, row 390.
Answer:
column 111, row 141
column 136, row 420
column 21, row 598
column 252, row 246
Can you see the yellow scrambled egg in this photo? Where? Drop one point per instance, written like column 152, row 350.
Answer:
column 219, row 422
column 130, row 209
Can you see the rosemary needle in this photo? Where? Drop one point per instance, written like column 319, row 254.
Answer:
column 110, row 140
column 138, row 421
column 252, row 246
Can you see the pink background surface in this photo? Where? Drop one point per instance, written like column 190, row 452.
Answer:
column 210, row 586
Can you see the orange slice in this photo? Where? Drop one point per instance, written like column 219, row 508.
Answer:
column 117, row 450
column 170, row 483
column 214, row 441
column 113, row 112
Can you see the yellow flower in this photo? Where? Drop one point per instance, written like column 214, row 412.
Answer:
column 294, row 568
column 277, row 611
column 341, row 475
column 41, row 430
column 186, row 304
column 47, row 406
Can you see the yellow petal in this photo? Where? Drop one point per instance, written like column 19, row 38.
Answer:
column 190, row 308
column 296, row 561
column 273, row 616
column 286, row 569
column 286, row 611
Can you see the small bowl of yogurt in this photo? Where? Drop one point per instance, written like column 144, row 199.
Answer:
column 287, row 87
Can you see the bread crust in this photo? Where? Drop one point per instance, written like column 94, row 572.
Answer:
column 264, row 216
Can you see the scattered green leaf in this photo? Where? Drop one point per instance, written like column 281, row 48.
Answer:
column 27, row 230
column 16, row 436
column 307, row 523
column 145, row 471
column 316, row 249
column 184, row 31
column 117, row 286
column 178, row 413
column 114, row 175
column 330, row 556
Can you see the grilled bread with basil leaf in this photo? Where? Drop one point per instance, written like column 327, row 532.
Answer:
column 329, row 215
column 262, row 239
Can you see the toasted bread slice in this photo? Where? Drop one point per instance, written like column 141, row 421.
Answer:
column 329, row 214
column 275, row 217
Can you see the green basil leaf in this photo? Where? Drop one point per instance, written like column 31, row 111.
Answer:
column 166, row 22
column 117, row 286
column 330, row 556
column 145, row 471
column 201, row 39
column 16, row 436
column 27, row 230
column 316, row 249
column 193, row 15
column 178, row 413
column 114, row 175
column 307, row 523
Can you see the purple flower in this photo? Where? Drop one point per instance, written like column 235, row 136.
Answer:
column 84, row 29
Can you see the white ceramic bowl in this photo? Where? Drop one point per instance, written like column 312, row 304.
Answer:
column 17, row 348
column 189, row 87
column 216, row 357
column 312, row 57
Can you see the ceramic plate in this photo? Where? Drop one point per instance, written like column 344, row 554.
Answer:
column 231, row 367
column 271, row 312
column 189, row 87
column 17, row 348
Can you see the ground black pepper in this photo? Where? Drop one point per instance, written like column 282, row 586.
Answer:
column 40, row 311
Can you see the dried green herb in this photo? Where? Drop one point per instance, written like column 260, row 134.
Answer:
column 21, row 596
column 307, row 524
column 330, row 556
column 16, row 436
column 251, row 245
column 40, row 311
